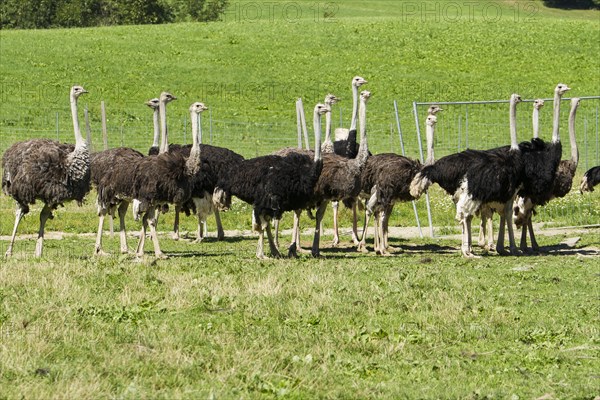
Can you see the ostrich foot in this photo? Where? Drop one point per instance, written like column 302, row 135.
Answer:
column 99, row 252
column 275, row 253
column 315, row 252
column 8, row 253
column 514, row 251
column 220, row 236
column 197, row 240
column 160, row 255
column 355, row 239
column 302, row 250
column 393, row 249
column 336, row 241
column 38, row 248
column 292, row 251
column 362, row 247
column 468, row 253
column 175, row 235
column 124, row 250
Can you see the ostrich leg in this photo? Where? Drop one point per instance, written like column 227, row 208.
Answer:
column 153, row 222
column 44, row 215
column 317, row 238
column 220, row 232
column 336, row 237
column 18, row 215
column 274, row 250
column 98, row 248
column 122, row 210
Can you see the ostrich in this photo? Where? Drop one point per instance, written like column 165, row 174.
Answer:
column 111, row 175
column 387, row 178
column 486, row 229
column 561, row 186
column 217, row 163
column 348, row 147
column 46, row 170
column 340, row 177
column 326, row 148
column 590, row 179
column 477, row 177
column 168, row 177
column 540, row 167
column 274, row 184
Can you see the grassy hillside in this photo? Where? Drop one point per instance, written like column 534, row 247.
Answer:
column 250, row 70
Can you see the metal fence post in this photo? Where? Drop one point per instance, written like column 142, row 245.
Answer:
column 431, row 233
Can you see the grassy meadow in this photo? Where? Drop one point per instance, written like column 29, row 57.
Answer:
column 212, row 321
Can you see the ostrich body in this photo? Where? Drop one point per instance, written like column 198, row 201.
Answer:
column 49, row 171
column 559, row 187
column 387, row 178
column 348, row 148
column 590, row 179
column 273, row 184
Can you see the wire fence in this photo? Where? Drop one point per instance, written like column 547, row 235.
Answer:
column 477, row 125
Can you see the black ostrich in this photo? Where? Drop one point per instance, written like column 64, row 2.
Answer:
column 347, row 146
column 274, row 184
column 590, row 179
column 111, row 175
column 475, row 178
column 540, row 165
column 49, row 171
column 563, row 181
column 386, row 179
column 168, row 178
column 339, row 179
column 217, row 163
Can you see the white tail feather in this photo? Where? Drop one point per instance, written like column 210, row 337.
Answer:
column 419, row 185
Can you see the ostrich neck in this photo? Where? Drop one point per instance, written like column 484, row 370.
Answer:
column 317, row 128
column 156, row 140
column 193, row 161
column 513, row 125
column 536, row 123
column 164, row 143
column 328, row 128
column 556, row 119
column 429, row 131
column 79, row 142
column 354, row 107
column 572, row 141
column 363, row 149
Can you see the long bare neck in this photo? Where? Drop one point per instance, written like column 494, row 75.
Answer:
column 317, row 129
column 513, row 125
column 572, row 141
column 156, row 140
column 79, row 142
column 535, row 119
column 354, row 106
column 429, row 135
column 363, row 149
column 327, row 128
column 164, row 143
column 556, row 118
column 193, row 161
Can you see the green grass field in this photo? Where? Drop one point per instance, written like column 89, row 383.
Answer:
column 212, row 321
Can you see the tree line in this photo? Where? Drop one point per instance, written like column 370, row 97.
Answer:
column 40, row 14
column 573, row 4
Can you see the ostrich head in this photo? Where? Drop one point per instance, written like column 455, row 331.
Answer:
column 365, row 95
column 322, row 109
column 330, row 99
column 198, row 107
column 167, row 97
column 538, row 103
column 77, row 91
column 575, row 101
column 515, row 98
column 152, row 103
column 431, row 120
column 358, row 81
column 561, row 89
column 434, row 109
